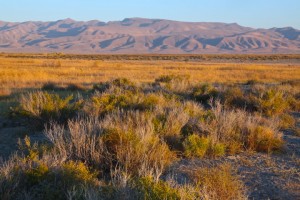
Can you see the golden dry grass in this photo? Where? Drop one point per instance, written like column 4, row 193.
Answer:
column 34, row 72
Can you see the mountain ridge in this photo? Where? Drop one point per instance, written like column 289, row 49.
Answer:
column 142, row 36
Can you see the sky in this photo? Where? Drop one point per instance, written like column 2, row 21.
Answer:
column 252, row 13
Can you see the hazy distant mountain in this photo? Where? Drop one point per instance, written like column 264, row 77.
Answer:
column 138, row 35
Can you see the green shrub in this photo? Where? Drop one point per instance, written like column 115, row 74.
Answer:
column 149, row 102
column 217, row 150
column 272, row 102
column 195, row 146
column 36, row 174
column 42, row 107
column 43, row 182
column 148, row 189
column 109, row 102
column 76, row 173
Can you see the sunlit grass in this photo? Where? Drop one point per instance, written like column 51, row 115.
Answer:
column 33, row 73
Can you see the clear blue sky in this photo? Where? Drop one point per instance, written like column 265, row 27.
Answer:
column 254, row 13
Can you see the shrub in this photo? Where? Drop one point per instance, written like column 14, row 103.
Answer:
column 42, row 107
column 148, row 189
column 79, row 141
column 165, row 78
column 193, row 109
column 272, row 102
column 134, row 146
column 234, row 97
column 174, row 83
column 204, row 93
column 36, row 174
column 264, row 139
column 168, row 124
column 123, row 83
column 123, row 139
column 217, row 150
column 235, row 128
column 286, row 121
column 43, row 179
column 73, row 173
column 116, row 85
column 170, row 78
column 150, row 101
column 195, row 146
column 105, row 103
column 219, row 182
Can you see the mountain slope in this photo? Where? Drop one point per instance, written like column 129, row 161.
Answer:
column 138, row 35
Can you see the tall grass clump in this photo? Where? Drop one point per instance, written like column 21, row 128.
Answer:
column 216, row 182
column 233, row 131
column 122, row 139
column 43, row 107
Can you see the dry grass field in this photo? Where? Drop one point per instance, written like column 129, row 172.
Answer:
column 34, row 72
column 74, row 127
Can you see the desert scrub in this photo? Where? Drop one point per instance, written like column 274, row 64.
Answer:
column 132, row 154
column 232, row 130
column 126, row 100
column 168, row 123
column 286, row 121
column 219, row 182
column 236, row 97
column 106, row 102
column 204, row 93
column 123, row 139
column 116, row 84
column 264, row 139
column 109, row 101
column 76, row 172
column 43, row 107
column 155, row 190
column 272, row 102
column 42, row 182
column 195, row 146
column 174, row 83
column 170, row 78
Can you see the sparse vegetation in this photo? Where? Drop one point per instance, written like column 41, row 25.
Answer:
column 120, row 137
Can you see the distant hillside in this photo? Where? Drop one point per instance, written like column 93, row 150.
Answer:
column 138, row 35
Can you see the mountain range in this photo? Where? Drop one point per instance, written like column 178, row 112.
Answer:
column 141, row 36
